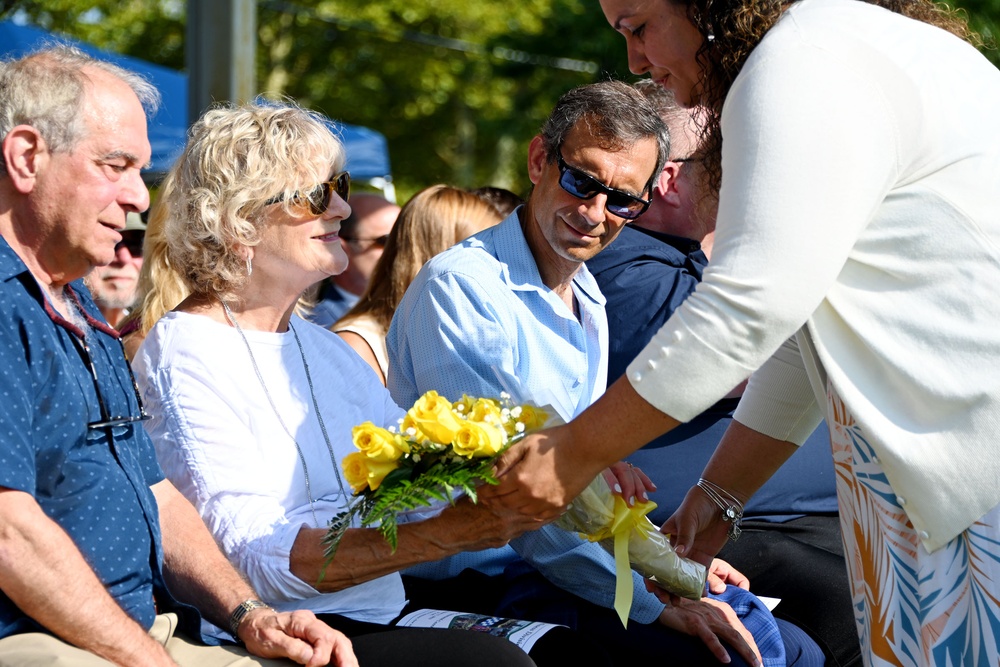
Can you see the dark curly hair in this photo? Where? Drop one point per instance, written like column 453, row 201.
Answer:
column 736, row 27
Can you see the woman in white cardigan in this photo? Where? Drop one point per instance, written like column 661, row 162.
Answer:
column 856, row 262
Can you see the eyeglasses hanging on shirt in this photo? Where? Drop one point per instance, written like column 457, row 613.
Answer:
column 79, row 337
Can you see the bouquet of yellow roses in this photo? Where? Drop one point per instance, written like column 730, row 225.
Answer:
column 439, row 448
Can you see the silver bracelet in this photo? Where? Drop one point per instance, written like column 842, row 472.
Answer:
column 732, row 508
column 240, row 613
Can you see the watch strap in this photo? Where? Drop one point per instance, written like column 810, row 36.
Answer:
column 240, row 613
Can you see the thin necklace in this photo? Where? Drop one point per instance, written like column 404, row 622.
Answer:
column 274, row 407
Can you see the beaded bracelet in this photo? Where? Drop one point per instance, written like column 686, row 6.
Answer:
column 732, row 508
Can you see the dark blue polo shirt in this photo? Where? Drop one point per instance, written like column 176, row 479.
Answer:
column 94, row 484
column 645, row 276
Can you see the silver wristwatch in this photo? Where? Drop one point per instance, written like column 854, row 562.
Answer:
column 240, row 613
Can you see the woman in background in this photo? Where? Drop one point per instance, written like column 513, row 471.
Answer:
column 432, row 221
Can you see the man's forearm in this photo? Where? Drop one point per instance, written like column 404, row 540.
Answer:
column 43, row 572
column 194, row 567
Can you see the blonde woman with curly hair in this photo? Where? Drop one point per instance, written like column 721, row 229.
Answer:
column 432, row 221
column 857, row 252
column 253, row 406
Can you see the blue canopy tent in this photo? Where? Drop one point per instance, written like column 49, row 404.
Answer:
column 367, row 150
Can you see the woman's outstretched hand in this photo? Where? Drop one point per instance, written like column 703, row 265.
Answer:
column 539, row 477
column 543, row 473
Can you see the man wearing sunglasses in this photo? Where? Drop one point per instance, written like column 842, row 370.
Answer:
column 100, row 556
column 113, row 286
column 363, row 235
column 515, row 309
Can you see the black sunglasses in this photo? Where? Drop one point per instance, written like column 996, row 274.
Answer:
column 132, row 240
column 107, row 421
column 318, row 198
column 584, row 186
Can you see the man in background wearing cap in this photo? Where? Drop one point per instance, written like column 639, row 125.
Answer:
column 113, row 286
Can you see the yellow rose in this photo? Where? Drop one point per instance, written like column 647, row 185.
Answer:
column 431, row 415
column 485, row 410
column 475, row 439
column 361, row 471
column 377, row 443
column 533, row 418
column 463, row 406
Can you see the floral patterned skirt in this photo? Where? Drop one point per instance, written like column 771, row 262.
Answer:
column 913, row 608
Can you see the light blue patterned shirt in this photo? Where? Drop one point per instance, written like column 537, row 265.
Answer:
column 478, row 320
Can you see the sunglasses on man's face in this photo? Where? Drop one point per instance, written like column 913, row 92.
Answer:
column 584, row 186
column 318, row 197
column 131, row 241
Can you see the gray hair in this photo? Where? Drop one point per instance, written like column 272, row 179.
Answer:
column 615, row 113
column 45, row 90
column 237, row 159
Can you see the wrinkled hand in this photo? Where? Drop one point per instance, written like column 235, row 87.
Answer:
column 297, row 635
column 480, row 526
column 713, row 622
column 629, row 482
column 721, row 573
column 696, row 529
column 538, row 477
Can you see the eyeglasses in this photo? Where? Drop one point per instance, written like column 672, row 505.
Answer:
column 107, row 421
column 584, row 186
column 131, row 240
column 318, row 198
column 379, row 241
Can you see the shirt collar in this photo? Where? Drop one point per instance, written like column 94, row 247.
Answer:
column 685, row 245
column 10, row 264
column 12, row 267
column 522, row 272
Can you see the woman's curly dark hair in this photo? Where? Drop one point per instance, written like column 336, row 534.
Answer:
column 736, row 27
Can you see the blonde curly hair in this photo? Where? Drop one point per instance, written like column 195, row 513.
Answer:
column 160, row 287
column 237, row 159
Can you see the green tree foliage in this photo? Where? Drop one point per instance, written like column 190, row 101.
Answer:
column 984, row 18
column 458, row 87
column 149, row 29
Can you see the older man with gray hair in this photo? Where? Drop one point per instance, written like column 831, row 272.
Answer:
column 100, row 556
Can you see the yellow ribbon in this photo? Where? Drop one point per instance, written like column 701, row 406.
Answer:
column 625, row 522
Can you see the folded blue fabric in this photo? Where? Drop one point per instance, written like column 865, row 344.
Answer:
column 759, row 621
